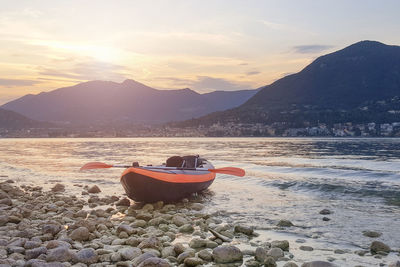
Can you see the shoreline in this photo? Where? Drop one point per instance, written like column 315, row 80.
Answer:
column 53, row 228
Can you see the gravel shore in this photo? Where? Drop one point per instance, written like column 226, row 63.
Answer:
column 55, row 228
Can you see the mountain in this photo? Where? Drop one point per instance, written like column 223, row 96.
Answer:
column 103, row 102
column 360, row 83
column 11, row 120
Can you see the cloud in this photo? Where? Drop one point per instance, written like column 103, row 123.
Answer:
column 88, row 70
column 253, row 73
column 310, row 49
column 206, row 83
column 17, row 82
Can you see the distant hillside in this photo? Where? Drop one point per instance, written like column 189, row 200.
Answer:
column 102, row 102
column 359, row 83
column 11, row 120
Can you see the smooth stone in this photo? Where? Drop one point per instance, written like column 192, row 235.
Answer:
column 139, row 223
column 306, row 248
column 86, row 255
column 148, row 207
column 186, row 254
column 339, row 251
column 371, row 234
column 151, row 242
column 130, row 253
column 179, row 220
column 197, row 206
column 197, row 243
column 80, row 234
column 269, row 262
column 193, row 261
column 58, row 188
column 260, row 254
column 186, row 228
column 179, row 248
column 211, row 244
column 137, row 261
column 325, row 212
column 318, row 264
column 276, row 253
column 205, row 255
column 32, row 244
column 168, row 251
column 326, row 219
column 59, row 254
column 125, row 228
column 284, row 223
column 154, row 262
column 244, row 230
column 227, row 254
column 123, row 202
column 282, row 244
column 377, row 246
column 35, row 252
column 94, row 189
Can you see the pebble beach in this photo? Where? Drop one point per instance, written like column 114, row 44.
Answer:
column 53, row 227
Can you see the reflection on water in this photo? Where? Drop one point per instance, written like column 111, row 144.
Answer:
column 290, row 178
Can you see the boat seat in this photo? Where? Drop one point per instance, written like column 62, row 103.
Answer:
column 174, row 161
column 192, row 161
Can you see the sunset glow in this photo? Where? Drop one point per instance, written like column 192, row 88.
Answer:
column 203, row 45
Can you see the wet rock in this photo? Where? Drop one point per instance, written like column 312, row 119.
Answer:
column 244, row 230
column 179, row 220
column 58, row 188
column 276, row 253
column 187, row 228
column 282, row 244
column 260, row 254
column 193, row 261
column 205, row 255
column 318, row 264
column 326, row 219
column 378, row 246
column 94, row 190
column 197, row 206
column 186, row 254
column 154, row 262
column 86, row 256
column 35, row 252
column 395, row 264
column 227, row 254
column 371, row 234
column 123, row 202
column 325, row 212
column 285, row 223
column 306, row 248
column 197, row 243
column 130, row 253
column 339, row 251
column 80, row 234
column 59, row 254
column 290, row 264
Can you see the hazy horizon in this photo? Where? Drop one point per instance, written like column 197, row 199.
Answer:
column 205, row 46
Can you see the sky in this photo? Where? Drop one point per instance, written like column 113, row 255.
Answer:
column 205, row 45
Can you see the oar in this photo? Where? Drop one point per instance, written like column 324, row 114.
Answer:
column 227, row 170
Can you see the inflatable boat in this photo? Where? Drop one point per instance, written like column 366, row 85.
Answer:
column 174, row 180
column 151, row 184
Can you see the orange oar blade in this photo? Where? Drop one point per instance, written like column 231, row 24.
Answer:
column 95, row 165
column 229, row 170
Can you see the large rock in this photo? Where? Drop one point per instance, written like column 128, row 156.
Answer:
column 244, row 230
column 80, row 234
column 154, row 262
column 59, row 254
column 260, row 254
column 227, row 254
column 86, row 256
column 318, row 264
column 94, row 189
column 275, row 253
column 378, row 246
column 35, row 252
column 282, row 244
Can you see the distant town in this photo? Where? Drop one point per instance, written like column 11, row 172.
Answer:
column 278, row 129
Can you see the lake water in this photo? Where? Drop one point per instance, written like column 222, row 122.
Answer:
column 287, row 178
